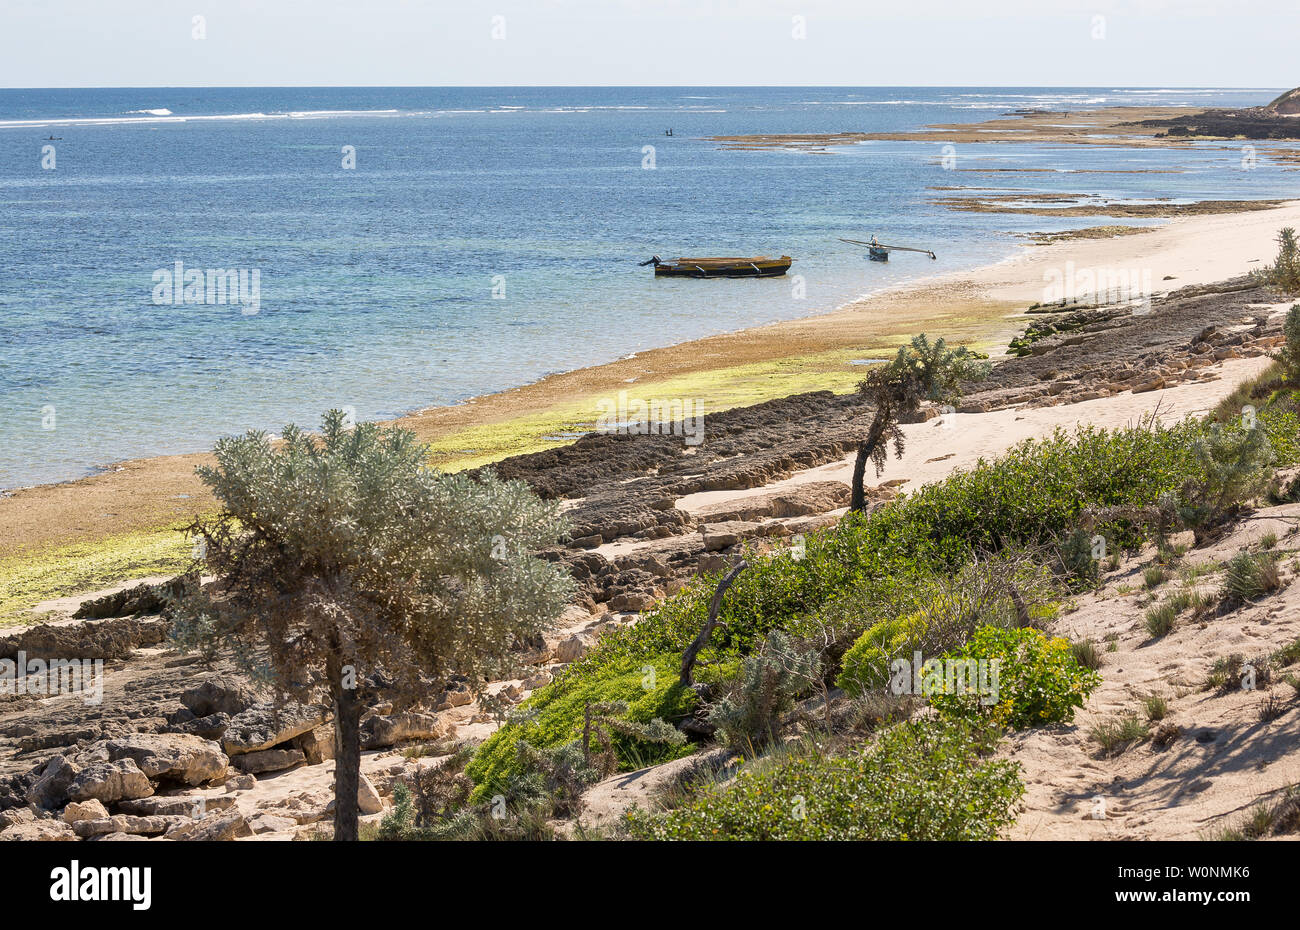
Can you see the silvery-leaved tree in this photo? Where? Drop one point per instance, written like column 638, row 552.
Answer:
column 343, row 559
column 921, row 371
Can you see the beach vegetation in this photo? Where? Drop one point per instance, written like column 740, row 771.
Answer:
column 28, row 578
column 1039, row 681
column 342, row 561
column 1249, row 575
column 1232, row 465
column 922, row 780
column 880, row 585
column 1116, row 734
column 748, row 716
column 1284, row 273
column 919, row 372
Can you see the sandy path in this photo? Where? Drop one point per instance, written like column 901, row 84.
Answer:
column 937, row 447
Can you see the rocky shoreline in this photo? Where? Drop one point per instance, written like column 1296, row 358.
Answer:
column 179, row 750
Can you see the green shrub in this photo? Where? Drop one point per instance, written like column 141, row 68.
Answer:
column 871, row 568
column 749, row 716
column 1038, row 681
column 554, row 716
column 1232, row 467
column 866, row 666
column 1284, row 273
column 925, row 780
column 1290, row 354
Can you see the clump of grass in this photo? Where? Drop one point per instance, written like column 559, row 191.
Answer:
column 1086, row 654
column 1271, row 708
column 1154, row 576
column 1156, row 707
column 1288, row 654
column 1251, row 575
column 1236, row 673
column 1116, row 734
column 1160, row 620
column 1278, row 819
column 1268, row 541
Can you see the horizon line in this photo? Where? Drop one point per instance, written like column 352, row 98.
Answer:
column 1172, row 87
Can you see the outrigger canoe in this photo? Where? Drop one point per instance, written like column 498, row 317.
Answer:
column 721, row 267
column 879, row 252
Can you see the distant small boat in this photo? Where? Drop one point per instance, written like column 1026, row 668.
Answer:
column 879, row 252
column 721, row 267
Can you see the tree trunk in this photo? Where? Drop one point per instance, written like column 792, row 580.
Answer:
column 858, row 502
column 347, row 762
column 702, row 640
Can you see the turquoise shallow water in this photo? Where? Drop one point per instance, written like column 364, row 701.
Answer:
column 376, row 284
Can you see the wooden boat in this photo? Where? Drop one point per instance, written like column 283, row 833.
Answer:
column 879, row 252
column 721, row 267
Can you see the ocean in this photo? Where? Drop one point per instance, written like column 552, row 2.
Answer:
column 397, row 248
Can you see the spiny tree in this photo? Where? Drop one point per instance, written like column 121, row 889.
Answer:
column 1290, row 354
column 1285, row 270
column 919, row 372
column 343, row 559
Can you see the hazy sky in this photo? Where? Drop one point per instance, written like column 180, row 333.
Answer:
column 1160, row 43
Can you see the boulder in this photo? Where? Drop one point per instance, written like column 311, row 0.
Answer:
column 84, row 810
column 271, row 823
column 719, row 536
column 50, row 790
column 539, row 679
column 219, row 697
column 631, row 602
column 264, row 726
column 126, row 823
column 16, row 815
column 368, row 800
column 457, row 695
column 174, row 757
column 212, row 727
column 269, row 760
column 241, row 783
column 381, row 731
column 216, row 827
column 43, row 830
column 110, row 781
column 192, row 806
column 573, row 648
column 317, row 744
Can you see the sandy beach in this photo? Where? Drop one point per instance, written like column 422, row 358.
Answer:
column 982, row 307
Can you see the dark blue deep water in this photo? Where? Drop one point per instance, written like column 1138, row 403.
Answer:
column 376, row 283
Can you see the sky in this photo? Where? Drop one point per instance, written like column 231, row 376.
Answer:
column 154, row 43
